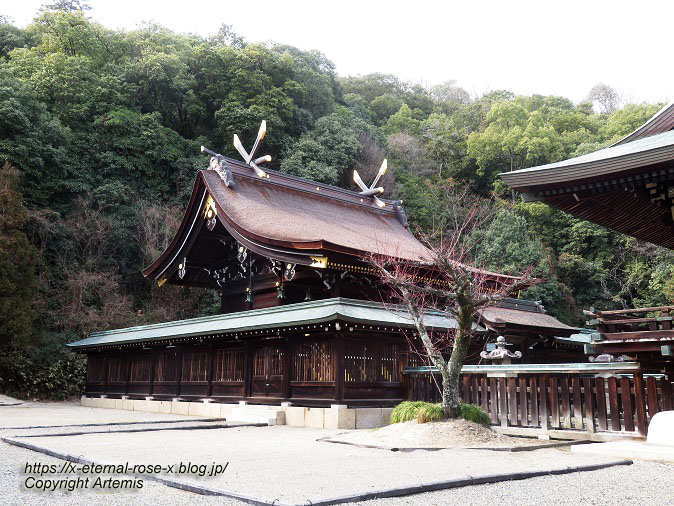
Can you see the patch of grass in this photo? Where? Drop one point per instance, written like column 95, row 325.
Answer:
column 406, row 411
column 425, row 412
column 417, row 410
column 474, row 413
column 431, row 413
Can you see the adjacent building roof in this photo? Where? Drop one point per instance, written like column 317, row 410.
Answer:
column 501, row 318
column 617, row 159
column 628, row 187
column 281, row 317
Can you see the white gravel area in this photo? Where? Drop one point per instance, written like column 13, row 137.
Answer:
column 12, row 460
column 445, row 434
column 71, row 413
column 288, row 463
column 641, row 484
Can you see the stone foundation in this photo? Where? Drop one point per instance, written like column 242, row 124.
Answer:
column 338, row 416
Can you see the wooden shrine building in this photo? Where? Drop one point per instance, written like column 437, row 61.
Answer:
column 298, row 322
column 628, row 187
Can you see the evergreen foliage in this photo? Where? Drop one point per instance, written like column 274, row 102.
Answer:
column 102, row 130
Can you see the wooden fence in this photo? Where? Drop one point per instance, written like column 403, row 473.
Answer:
column 618, row 403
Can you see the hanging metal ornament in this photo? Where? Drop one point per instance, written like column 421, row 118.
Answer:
column 248, row 158
column 372, row 190
column 211, row 214
column 280, row 291
column 182, row 267
column 289, row 272
column 242, row 254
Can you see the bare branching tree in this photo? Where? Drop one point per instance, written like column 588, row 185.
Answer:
column 451, row 281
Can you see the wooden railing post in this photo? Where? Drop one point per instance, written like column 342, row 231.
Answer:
column 543, row 403
column 640, row 402
column 589, row 405
column 503, row 402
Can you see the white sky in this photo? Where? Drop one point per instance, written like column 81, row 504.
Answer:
column 561, row 47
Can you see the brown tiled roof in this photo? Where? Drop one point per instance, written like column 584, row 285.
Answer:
column 289, row 219
column 303, row 215
column 498, row 316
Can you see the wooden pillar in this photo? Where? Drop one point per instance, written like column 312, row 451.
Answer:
column 153, row 360
column 127, row 358
column 211, row 362
column 287, row 368
column 248, row 371
column 338, row 367
column 179, row 377
column 106, row 368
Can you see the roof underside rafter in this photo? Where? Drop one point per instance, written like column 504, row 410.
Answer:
column 628, row 187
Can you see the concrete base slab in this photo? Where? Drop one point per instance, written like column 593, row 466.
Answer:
column 295, row 416
column 314, row 417
column 338, row 418
column 628, row 450
column 368, row 418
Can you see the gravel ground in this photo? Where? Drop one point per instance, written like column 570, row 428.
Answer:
column 12, row 460
column 67, row 413
column 288, row 463
column 446, row 434
column 643, row 483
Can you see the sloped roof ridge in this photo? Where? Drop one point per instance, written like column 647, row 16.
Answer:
column 299, row 183
column 661, row 121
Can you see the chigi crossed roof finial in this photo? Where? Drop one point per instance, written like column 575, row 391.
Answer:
column 248, row 157
column 372, row 191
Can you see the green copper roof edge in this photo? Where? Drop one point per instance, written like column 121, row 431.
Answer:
column 341, row 307
column 252, row 312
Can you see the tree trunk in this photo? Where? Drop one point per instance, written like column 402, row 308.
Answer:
column 451, row 396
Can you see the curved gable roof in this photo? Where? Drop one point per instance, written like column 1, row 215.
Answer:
column 291, row 219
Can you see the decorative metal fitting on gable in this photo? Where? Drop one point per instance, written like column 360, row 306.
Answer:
column 182, row 268
column 217, row 164
column 211, row 214
column 373, row 190
column 289, row 272
column 248, row 158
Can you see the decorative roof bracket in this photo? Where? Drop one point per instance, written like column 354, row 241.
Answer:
column 218, row 165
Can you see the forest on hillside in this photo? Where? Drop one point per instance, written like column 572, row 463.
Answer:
column 100, row 132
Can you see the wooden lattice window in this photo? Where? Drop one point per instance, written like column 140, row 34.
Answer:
column 96, row 368
column 195, row 366
column 117, row 368
column 229, row 364
column 370, row 361
column 167, row 366
column 141, row 368
column 268, row 361
column 312, row 361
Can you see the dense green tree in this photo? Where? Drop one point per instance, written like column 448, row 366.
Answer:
column 104, row 127
column 18, row 262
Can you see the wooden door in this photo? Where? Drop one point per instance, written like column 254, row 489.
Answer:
column 268, row 371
